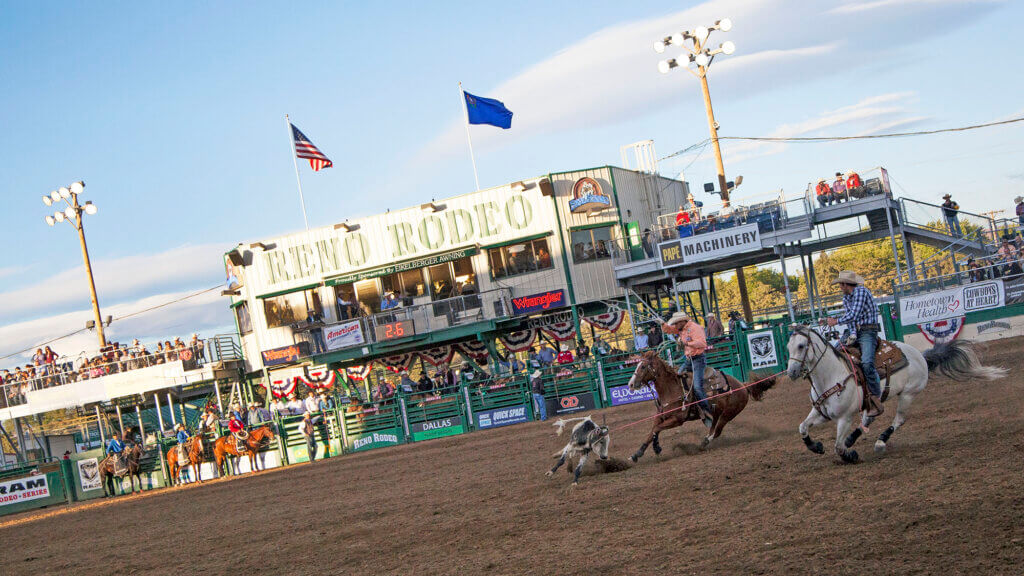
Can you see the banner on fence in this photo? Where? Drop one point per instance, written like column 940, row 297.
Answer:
column 378, row 439
column 89, row 474
column 570, row 403
column 343, row 335
column 23, row 489
column 620, row 395
column 762, row 349
column 437, row 428
column 502, row 417
column 951, row 302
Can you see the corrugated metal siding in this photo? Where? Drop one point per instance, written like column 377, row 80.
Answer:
column 664, row 196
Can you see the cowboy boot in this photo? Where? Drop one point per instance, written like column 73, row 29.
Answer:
column 876, row 409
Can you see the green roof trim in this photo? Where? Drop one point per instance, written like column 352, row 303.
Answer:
column 411, row 264
column 591, row 226
column 518, row 241
column 302, row 288
column 237, row 304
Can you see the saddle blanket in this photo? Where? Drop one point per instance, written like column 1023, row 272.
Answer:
column 888, row 358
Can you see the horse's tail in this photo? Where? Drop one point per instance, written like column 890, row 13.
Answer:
column 761, row 385
column 957, row 360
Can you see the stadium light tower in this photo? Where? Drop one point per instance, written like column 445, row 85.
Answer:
column 73, row 216
column 696, row 43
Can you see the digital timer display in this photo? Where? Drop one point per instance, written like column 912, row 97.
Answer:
column 393, row 330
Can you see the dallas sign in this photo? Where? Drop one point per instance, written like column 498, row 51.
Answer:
column 711, row 245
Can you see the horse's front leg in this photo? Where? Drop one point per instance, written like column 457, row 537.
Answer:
column 813, row 419
column 842, row 426
column 652, row 437
column 579, row 469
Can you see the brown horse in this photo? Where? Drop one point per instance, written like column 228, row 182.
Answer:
column 194, row 455
column 675, row 392
column 256, row 440
column 133, row 454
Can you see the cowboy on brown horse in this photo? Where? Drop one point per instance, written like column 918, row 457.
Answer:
column 691, row 339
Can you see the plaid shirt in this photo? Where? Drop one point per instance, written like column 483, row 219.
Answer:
column 860, row 308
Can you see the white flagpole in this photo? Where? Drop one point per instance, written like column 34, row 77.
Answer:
column 295, row 160
column 465, row 115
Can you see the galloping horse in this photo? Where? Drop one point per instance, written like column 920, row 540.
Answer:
column 131, row 470
column 194, row 449
column 673, row 392
column 257, row 439
column 810, row 356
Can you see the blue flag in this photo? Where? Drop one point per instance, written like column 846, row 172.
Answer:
column 487, row 111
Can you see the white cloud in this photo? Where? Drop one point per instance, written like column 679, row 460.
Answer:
column 205, row 314
column 116, row 280
column 861, row 6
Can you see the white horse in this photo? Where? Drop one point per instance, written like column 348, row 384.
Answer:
column 836, row 396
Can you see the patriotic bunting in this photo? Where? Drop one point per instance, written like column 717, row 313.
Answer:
column 475, row 350
column 318, row 377
column 560, row 331
column 282, row 387
column 398, row 362
column 357, row 373
column 437, row 356
column 520, row 341
column 609, row 321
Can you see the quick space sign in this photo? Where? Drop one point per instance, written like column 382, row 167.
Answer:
column 952, row 302
column 343, row 335
column 437, row 428
column 623, row 395
column 23, row 489
column 501, row 417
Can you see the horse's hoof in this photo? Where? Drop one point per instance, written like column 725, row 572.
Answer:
column 657, row 450
column 704, row 444
column 548, row 473
column 633, row 458
column 879, row 446
column 818, row 448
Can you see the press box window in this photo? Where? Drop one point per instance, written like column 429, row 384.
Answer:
column 291, row 308
column 522, row 258
column 244, row 320
column 592, row 244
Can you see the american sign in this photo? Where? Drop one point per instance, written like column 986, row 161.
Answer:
column 343, row 335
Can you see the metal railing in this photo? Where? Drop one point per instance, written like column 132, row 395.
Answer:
column 967, row 225
column 874, row 182
column 984, row 268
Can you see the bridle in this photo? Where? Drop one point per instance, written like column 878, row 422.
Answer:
column 819, row 402
column 805, row 372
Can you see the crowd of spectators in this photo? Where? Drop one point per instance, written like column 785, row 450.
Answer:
column 1005, row 263
column 48, row 369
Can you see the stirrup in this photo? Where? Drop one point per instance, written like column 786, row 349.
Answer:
column 875, row 406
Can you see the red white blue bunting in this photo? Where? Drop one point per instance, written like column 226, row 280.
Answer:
column 282, row 386
column 318, row 377
column 437, row 356
column 519, row 341
column 398, row 362
column 609, row 321
column 357, row 373
column 560, row 331
column 474, row 349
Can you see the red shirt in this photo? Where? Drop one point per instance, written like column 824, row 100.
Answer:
column 235, row 426
column 682, row 218
column 565, row 357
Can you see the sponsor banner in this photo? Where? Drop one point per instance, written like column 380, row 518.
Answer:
column 762, row 349
column 952, row 302
column 620, row 395
column 570, row 403
column 437, row 428
column 343, row 335
column 714, row 245
column 285, row 354
column 23, row 489
column 942, row 331
column 1013, row 290
column 89, row 474
column 843, row 330
column 371, row 440
column 502, row 417
column 993, row 326
column 671, row 253
column 538, row 302
column 587, row 196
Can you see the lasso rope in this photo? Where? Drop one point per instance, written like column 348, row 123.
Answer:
column 731, row 390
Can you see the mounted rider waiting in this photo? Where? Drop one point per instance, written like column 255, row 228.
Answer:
column 115, row 448
column 182, row 435
column 238, row 431
column 861, row 314
column 691, row 339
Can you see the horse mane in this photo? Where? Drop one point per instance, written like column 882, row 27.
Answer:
column 810, row 334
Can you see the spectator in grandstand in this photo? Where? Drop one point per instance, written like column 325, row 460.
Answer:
column 537, row 391
column 824, row 193
column 198, row 347
column 654, row 337
column 37, row 358
column 533, row 359
column 278, row 408
column 158, row 354
column 325, row 402
column 641, row 341
column 1019, row 200
column 389, row 301
column 424, row 385
column 252, row 415
column 311, row 404
column 208, row 421
column 407, row 384
column 713, row 327
column 582, row 352
column 308, row 431
column 854, row 186
column 839, row 188
column 974, row 271
column 170, row 355
column 648, row 242
column 515, row 364
column 315, row 321
column 736, row 322
column 547, row 355
column 601, row 347
column 950, row 210
column 683, row 223
column 294, row 405
column 564, row 355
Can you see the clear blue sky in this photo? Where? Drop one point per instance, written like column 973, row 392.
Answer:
column 173, row 114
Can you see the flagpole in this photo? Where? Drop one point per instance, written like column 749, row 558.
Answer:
column 295, row 160
column 465, row 115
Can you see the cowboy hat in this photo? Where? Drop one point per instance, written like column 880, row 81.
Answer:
column 678, row 317
column 536, row 374
column 946, row 196
column 1018, row 199
column 848, row 277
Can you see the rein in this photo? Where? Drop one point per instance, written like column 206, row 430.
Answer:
column 819, row 402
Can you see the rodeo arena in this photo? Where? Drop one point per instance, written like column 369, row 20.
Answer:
column 541, row 377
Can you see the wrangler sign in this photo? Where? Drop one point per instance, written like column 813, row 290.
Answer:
column 23, row 489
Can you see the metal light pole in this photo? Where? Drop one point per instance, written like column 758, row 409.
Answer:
column 697, row 52
column 73, row 216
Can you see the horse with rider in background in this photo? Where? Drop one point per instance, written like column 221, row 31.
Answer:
column 230, row 445
column 121, row 465
column 185, row 455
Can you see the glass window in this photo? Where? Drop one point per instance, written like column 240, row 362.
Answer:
column 291, row 308
column 345, row 302
column 520, row 258
column 368, row 296
column 243, row 317
column 592, row 244
column 441, row 281
column 412, row 283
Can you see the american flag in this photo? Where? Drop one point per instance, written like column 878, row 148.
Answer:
column 305, row 149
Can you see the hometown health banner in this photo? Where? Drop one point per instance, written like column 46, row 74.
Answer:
column 951, row 302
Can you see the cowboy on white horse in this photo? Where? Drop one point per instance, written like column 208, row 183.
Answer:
column 861, row 314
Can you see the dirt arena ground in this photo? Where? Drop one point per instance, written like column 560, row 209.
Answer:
column 947, row 498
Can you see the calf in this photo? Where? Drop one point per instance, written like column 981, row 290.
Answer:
column 586, row 437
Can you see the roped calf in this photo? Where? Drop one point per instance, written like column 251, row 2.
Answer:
column 587, row 437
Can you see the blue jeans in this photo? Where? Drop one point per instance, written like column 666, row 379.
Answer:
column 318, row 342
column 311, row 447
column 954, row 226
column 868, row 340
column 698, row 363
column 539, row 407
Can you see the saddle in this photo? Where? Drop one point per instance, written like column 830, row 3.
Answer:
column 240, row 444
column 889, row 359
column 120, row 465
